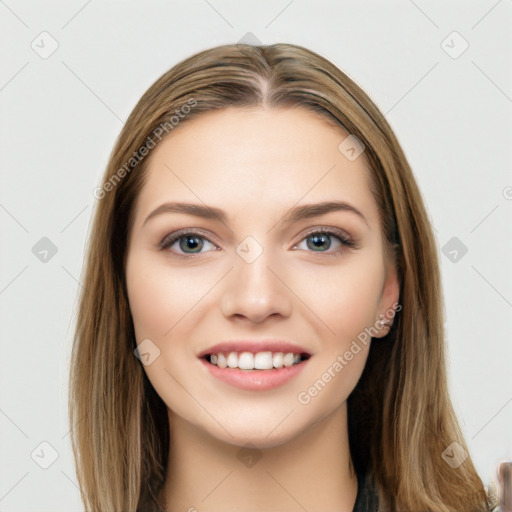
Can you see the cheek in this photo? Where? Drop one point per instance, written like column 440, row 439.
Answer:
column 158, row 298
column 344, row 298
column 148, row 300
column 159, row 302
column 358, row 294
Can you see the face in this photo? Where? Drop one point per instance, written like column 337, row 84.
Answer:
column 255, row 273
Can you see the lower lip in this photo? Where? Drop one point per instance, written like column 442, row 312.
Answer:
column 255, row 380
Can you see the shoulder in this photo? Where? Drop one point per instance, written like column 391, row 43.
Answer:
column 367, row 499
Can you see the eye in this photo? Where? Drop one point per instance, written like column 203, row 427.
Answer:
column 188, row 242
column 321, row 240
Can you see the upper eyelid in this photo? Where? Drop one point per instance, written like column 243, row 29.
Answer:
column 176, row 235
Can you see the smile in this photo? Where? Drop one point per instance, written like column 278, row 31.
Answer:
column 260, row 371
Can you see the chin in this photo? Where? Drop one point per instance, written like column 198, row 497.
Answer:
column 259, row 440
column 257, row 432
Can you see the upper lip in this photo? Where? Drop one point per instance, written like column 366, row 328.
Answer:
column 254, row 346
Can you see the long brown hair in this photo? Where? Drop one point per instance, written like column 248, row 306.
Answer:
column 401, row 421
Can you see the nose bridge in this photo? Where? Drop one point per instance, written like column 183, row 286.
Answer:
column 253, row 289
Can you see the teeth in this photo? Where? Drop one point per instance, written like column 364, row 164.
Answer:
column 278, row 360
column 288, row 359
column 232, row 360
column 245, row 361
column 221, row 361
column 263, row 361
column 258, row 361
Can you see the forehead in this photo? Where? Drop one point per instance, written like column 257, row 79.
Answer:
column 250, row 159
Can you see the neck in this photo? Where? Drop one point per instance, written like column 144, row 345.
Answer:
column 311, row 472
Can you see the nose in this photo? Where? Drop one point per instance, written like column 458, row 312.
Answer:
column 256, row 290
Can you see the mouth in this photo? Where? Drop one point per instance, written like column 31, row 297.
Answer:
column 255, row 365
column 255, row 361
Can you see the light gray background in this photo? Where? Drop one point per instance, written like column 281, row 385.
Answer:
column 60, row 116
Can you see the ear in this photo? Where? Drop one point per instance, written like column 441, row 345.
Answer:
column 388, row 304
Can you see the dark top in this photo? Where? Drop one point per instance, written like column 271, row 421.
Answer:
column 366, row 499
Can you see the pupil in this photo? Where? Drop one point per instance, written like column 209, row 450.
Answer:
column 190, row 242
column 319, row 239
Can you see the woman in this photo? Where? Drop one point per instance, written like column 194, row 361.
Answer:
column 261, row 246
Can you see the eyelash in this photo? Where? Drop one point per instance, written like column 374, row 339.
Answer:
column 170, row 239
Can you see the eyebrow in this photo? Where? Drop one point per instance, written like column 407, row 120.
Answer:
column 293, row 214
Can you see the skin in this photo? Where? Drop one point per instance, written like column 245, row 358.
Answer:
column 254, row 164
